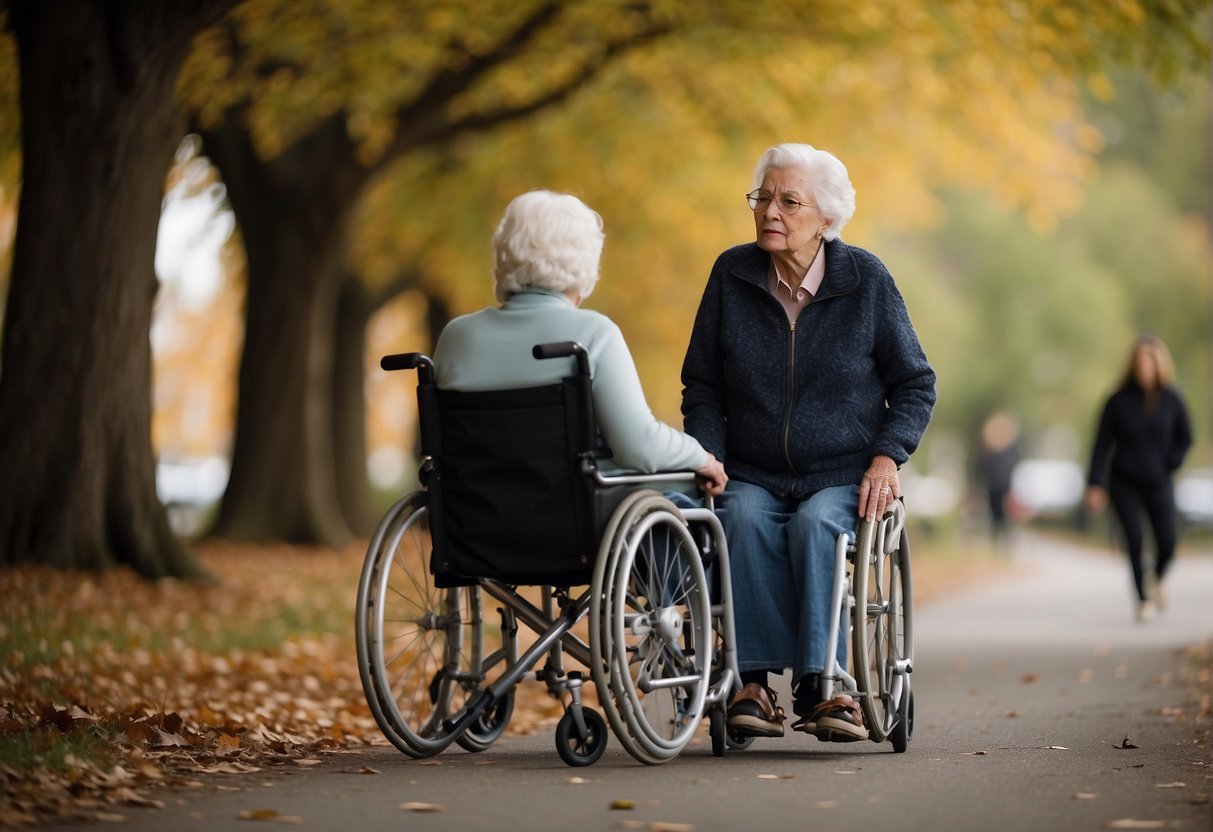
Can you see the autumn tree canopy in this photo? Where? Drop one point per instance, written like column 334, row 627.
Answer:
column 327, row 101
column 442, row 112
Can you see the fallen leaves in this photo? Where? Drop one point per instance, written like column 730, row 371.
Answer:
column 113, row 685
column 413, row 806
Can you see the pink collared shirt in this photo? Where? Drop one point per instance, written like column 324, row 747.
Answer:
column 794, row 301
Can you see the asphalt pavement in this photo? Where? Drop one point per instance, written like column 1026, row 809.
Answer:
column 1040, row 705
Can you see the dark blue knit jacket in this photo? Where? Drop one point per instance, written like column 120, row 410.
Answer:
column 797, row 408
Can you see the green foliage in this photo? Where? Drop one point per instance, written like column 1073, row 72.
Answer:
column 1164, row 131
column 1042, row 325
column 1012, row 320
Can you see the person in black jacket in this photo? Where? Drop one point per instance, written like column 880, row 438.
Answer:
column 1144, row 433
column 805, row 377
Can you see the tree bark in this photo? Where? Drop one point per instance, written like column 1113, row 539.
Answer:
column 99, row 129
column 354, row 310
column 294, row 213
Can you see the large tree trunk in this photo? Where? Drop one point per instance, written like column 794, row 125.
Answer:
column 99, row 128
column 357, row 306
column 354, row 310
column 294, row 213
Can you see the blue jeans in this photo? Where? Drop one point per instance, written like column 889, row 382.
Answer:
column 781, row 559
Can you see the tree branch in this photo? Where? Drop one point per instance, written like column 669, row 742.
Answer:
column 554, row 96
column 448, row 83
column 491, row 118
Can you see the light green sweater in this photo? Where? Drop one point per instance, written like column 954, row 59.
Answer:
column 491, row 350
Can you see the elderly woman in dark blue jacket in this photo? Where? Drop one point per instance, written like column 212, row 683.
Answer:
column 805, row 377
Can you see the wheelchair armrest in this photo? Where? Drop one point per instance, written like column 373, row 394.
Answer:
column 640, row 478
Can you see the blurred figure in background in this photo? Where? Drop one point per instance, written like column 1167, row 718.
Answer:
column 1144, row 433
column 995, row 460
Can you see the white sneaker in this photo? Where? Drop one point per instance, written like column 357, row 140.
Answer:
column 1158, row 596
column 1154, row 591
column 1145, row 612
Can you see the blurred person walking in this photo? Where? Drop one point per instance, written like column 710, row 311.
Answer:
column 995, row 462
column 1144, row 433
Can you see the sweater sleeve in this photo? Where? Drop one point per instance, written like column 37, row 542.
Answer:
column 636, row 438
column 703, row 391
column 1181, row 435
column 908, row 379
column 1101, row 451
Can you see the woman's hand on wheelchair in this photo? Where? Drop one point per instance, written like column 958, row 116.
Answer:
column 710, row 477
column 878, row 488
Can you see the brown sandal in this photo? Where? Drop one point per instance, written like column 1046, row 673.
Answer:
column 836, row 720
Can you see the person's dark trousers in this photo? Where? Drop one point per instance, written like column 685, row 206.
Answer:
column 1130, row 501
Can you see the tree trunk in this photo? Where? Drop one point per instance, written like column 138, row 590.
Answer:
column 294, row 213
column 354, row 310
column 99, row 129
column 357, row 306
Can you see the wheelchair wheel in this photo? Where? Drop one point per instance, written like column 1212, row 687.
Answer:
column 882, row 627
column 576, row 750
column 718, row 730
column 650, row 629
column 904, row 729
column 423, row 651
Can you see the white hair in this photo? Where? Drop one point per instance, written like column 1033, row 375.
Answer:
column 828, row 179
column 548, row 241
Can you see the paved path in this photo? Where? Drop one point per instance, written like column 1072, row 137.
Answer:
column 1026, row 692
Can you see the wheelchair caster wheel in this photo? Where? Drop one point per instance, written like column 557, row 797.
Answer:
column 574, row 750
column 900, row 736
column 489, row 727
column 718, row 731
column 739, row 743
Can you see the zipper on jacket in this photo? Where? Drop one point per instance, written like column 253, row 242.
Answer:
column 787, row 417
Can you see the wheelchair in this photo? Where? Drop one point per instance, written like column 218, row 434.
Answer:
column 873, row 595
column 516, row 524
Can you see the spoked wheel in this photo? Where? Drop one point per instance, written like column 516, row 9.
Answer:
column 650, row 629
column 578, row 750
column 883, row 635
column 423, row 651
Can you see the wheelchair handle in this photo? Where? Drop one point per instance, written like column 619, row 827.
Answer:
column 563, row 349
column 409, row 361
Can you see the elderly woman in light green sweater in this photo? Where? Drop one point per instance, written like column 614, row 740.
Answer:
column 547, row 248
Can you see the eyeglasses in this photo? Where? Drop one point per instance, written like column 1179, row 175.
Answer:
column 759, row 200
